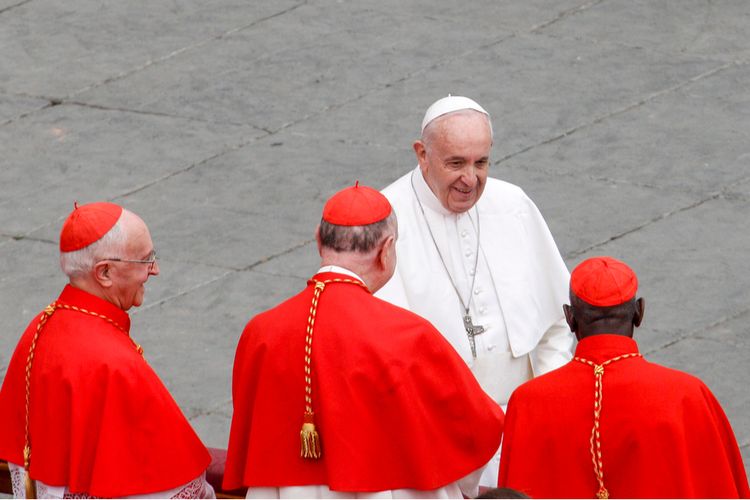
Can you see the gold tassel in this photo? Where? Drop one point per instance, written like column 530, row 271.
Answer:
column 602, row 494
column 309, row 439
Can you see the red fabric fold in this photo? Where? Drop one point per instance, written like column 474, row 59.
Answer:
column 663, row 433
column 394, row 404
column 102, row 422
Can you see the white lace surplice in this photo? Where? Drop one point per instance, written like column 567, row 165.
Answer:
column 197, row 488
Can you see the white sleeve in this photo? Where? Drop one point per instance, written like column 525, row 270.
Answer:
column 554, row 349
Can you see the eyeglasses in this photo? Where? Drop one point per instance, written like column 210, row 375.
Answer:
column 151, row 260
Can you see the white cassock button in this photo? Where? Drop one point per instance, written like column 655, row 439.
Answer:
column 464, row 233
column 476, row 292
column 472, row 272
column 491, row 346
column 468, row 253
column 482, row 310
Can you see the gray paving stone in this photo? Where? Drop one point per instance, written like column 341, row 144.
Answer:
column 528, row 107
column 299, row 264
column 692, row 268
column 12, row 107
column 741, row 189
column 583, row 211
column 310, row 72
column 712, row 29
column 68, row 153
column 256, row 202
column 191, row 341
column 666, row 142
column 59, row 48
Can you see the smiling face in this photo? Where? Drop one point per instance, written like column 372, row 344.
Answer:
column 454, row 156
column 128, row 278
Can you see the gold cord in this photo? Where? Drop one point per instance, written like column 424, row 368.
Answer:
column 46, row 314
column 310, row 446
column 595, row 441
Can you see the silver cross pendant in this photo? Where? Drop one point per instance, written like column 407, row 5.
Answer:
column 472, row 331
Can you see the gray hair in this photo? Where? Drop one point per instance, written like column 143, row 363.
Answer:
column 81, row 262
column 429, row 129
column 362, row 239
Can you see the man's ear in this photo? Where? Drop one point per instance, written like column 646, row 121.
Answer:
column 384, row 254
column 102, row 272
column 640, row 309
column 317, row 238
column 421, row 153
column 570, row 318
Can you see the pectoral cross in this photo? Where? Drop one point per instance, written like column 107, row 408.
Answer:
column 472, row 331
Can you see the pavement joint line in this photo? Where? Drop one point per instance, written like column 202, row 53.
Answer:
column 697, row 332
column 565, row 14
column 156, row 113
column 9, row 7
column 221, row 277
column 190, row 167
column 174, row 53
column 635, row 105
column 26, row 114
column 387, row 85
column 26, row 237
column 653, row 220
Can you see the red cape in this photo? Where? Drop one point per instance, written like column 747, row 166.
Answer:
column 102, row 422
column 663, row 433
column 395, row 405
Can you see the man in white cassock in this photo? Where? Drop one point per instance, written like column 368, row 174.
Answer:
column 476, row 258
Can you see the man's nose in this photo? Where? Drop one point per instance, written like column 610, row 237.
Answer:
column 469, row 175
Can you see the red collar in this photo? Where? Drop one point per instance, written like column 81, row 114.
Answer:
column 604, row 346
column 73, row 296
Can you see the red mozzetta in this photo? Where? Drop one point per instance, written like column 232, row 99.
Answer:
column 662, row 432
column 394, row 404
column 101, row 421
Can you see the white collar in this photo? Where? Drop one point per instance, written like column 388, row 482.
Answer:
column 339, row 270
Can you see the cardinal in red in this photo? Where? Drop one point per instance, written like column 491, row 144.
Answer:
column 610, row 423
column 83, row 414
column 338, row 393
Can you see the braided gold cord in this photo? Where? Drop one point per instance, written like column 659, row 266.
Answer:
column 46, row 314
column 595, row 441
column 310, row 440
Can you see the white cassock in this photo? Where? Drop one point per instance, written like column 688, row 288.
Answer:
column 520, row 287
column 197, row 488
column 466, row 487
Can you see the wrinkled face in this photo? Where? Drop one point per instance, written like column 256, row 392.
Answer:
column 129, row 278
column 454, row 157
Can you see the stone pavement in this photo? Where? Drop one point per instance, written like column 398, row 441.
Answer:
column 226, row 124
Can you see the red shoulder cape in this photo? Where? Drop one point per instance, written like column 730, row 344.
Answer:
column 663, row 433
column 102, row 422
column 395, row 405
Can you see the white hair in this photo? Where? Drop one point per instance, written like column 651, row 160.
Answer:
column 81, row 262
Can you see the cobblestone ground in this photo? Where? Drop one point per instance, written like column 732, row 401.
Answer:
column 226, row 125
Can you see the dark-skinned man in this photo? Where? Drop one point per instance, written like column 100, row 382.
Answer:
column 610, row 423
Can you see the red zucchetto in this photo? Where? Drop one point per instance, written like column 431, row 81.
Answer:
column 87, row 224
column 603, row 282
column 356, row 206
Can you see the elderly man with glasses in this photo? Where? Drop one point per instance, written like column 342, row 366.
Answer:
column 83, row 413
